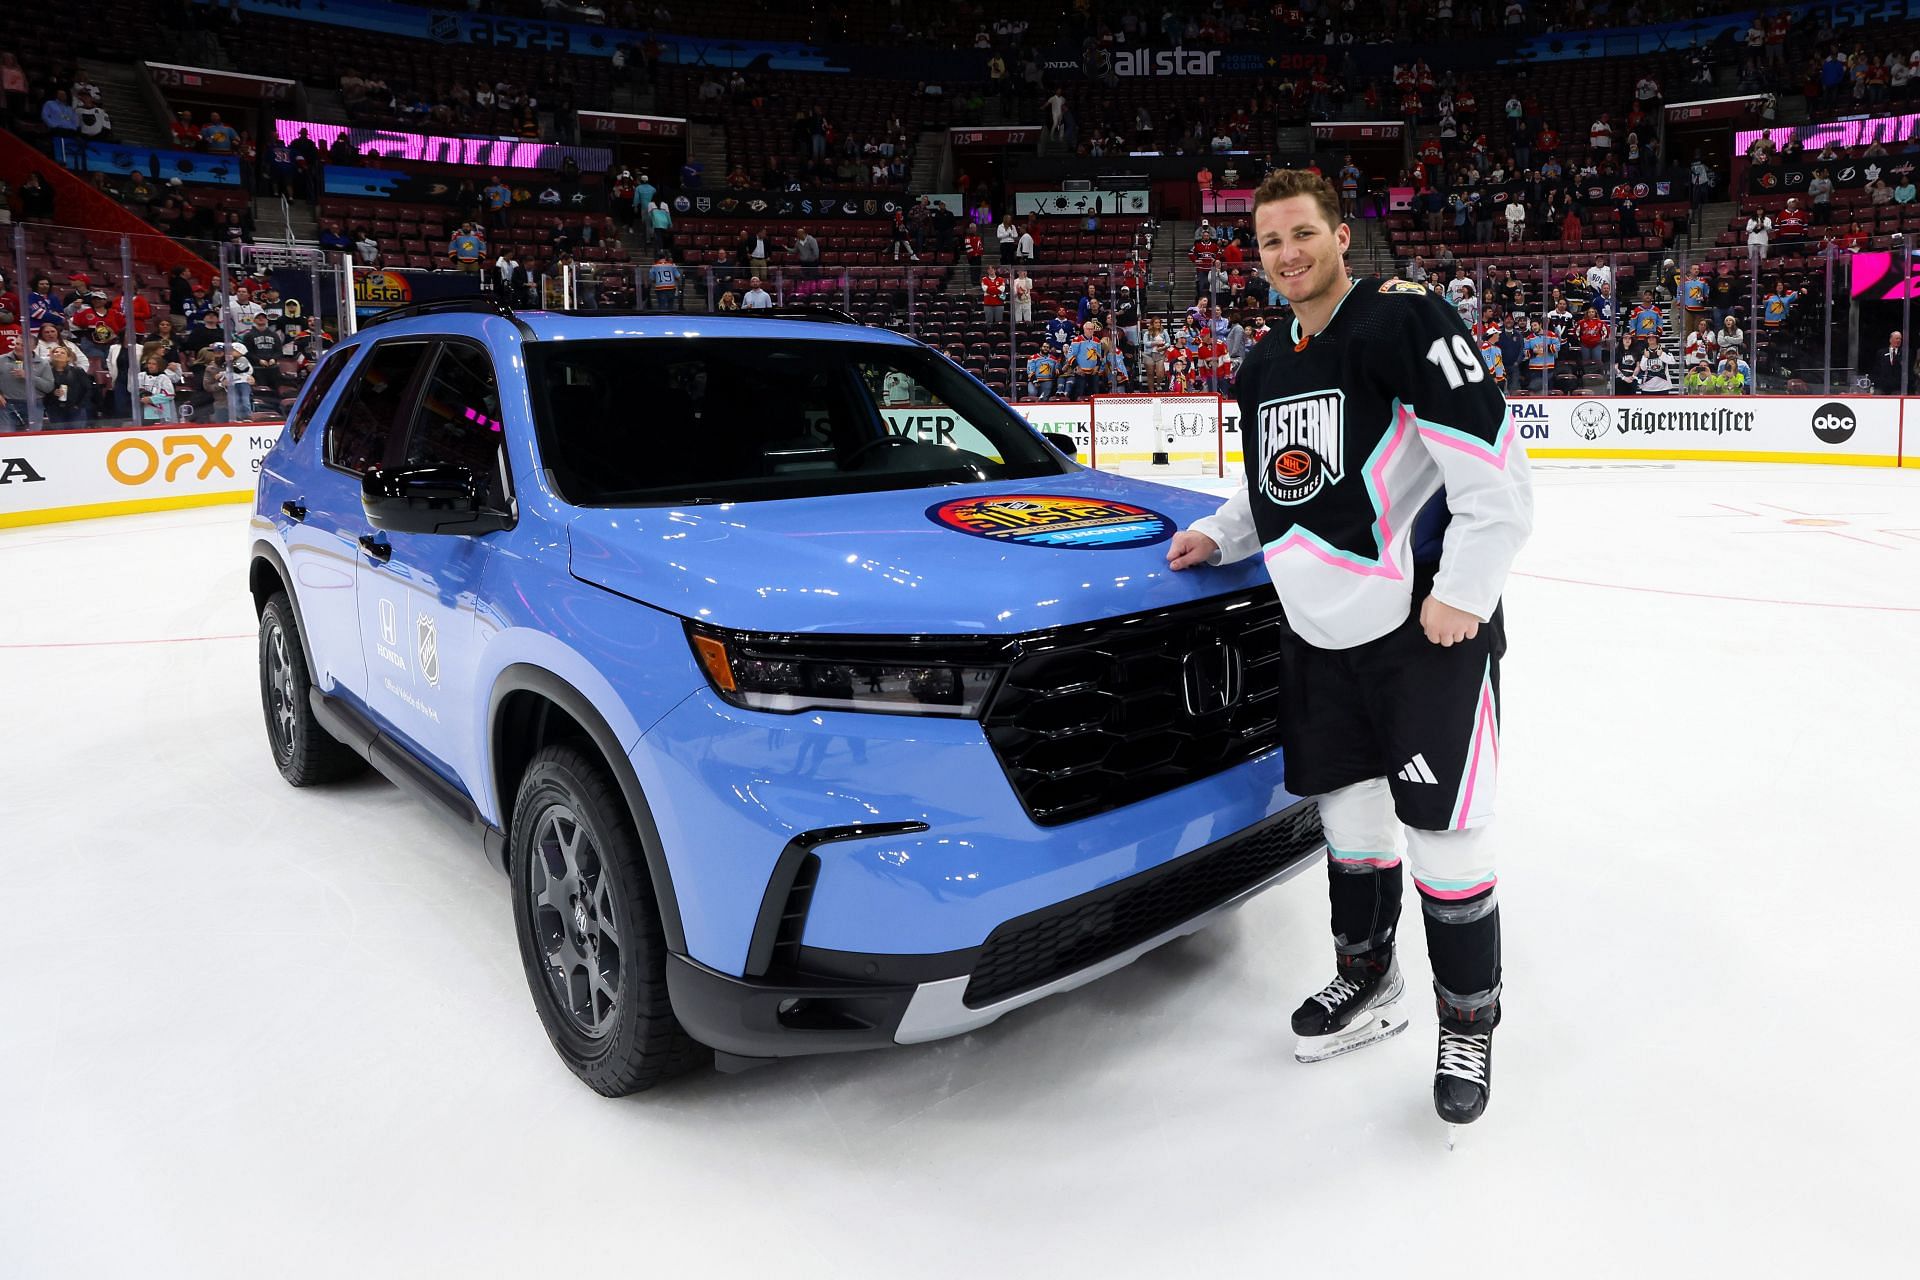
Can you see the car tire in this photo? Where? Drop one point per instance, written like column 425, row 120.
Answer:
column 304, row 752
column 589, row 927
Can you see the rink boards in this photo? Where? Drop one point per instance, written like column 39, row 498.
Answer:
column 73, row 475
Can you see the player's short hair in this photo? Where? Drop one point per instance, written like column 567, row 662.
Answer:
column 1284, row 184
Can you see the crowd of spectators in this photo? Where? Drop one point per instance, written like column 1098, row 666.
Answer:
column 203, row 356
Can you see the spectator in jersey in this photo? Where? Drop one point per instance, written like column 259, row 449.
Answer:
column 1592, row 332
column 993, row 290
column 974, row 249
column 1086, row 358
column 1022, row 291
column 1699, row 345
column 1043, row 368
column 1061, row 330
column 52, row 337
column 663, row 283
column 217, row 136
column 467, row 249
column 757, row 298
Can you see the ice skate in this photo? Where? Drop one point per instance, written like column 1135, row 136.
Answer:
column 1359, row 1007
column 1463, row 1072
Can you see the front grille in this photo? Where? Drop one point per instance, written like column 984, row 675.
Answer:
column 1093, row 717
column 1058, row 940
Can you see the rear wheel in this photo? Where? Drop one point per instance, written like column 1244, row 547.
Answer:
column 589, row 928
column 304, row 752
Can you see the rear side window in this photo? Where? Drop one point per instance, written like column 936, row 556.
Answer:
column 375, row 406
column 322, row 382
column 458, row 422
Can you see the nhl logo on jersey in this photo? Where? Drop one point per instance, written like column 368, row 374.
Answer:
column 1301, row 441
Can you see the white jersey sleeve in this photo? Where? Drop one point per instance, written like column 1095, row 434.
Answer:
column 1231, row 527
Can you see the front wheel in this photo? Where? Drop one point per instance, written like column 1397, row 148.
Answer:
column 589, row 928
column 303, row 751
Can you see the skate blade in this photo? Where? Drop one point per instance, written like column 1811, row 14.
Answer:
column 1380, row 1024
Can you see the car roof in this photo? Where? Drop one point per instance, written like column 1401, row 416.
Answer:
column 557, row 326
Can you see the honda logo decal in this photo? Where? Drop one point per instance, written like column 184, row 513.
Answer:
column 1211, row 679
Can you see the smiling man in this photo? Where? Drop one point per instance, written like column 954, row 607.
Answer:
column 1388, row 495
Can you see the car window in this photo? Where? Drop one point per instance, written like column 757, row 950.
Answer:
column 458, row 421
column 363, row 425
column 672, row 420
column 317, row 388
column 916, row 411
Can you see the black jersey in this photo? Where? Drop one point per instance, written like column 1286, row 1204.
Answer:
column 1347, row 439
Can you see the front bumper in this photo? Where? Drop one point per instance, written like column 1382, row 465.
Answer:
column 821, row 1001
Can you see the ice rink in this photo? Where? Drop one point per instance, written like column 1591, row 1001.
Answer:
column 251, row 1030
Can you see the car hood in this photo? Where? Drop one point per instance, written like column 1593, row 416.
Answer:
column 904, row 562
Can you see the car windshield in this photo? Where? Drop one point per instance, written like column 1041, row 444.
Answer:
column 646, row 421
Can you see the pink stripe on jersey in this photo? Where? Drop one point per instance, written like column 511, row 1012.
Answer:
column 1482, row 724
column 1377, row 485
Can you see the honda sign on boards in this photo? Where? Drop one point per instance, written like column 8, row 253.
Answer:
column 1855, row 430
column 70, row 475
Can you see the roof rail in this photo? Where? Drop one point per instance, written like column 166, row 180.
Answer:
column 489, row 303
column 796, row 311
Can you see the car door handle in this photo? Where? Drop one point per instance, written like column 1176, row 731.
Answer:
column 380, row 551
column 293, row 511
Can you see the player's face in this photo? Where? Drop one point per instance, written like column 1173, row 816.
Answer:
column 1301, row 252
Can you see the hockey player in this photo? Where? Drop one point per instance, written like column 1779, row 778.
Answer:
column 1388, row 494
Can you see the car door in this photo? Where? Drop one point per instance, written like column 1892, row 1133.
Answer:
column 418, row 590
column 318, row 519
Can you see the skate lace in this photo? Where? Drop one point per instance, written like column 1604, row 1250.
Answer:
column 1336, row 993
column 1463, row 1056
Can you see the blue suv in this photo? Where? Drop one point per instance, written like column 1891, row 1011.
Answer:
column 810, row 699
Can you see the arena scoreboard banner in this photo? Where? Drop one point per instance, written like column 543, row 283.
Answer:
column 436, row 148
column 49, row 476
column 1846, row 430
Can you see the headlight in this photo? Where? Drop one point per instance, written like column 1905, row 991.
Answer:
column 903, row 676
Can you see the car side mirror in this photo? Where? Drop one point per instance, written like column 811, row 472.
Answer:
column 442, row 499
column 1063, row 442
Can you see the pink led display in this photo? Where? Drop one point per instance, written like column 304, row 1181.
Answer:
column 1886, row 130
column 433, row 148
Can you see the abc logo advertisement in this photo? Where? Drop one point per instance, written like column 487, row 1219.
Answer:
column 1861, row 430
column 65, row 476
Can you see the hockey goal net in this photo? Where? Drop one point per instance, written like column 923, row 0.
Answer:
column 1168, row 434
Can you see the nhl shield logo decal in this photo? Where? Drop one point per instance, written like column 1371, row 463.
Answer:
column 1302, row 445
column 429, row 650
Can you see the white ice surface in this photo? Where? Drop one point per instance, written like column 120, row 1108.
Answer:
column 246, row 1030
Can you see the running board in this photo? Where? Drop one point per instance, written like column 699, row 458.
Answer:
column 399, row 766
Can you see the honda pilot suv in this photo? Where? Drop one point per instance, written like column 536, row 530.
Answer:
column 809, row 698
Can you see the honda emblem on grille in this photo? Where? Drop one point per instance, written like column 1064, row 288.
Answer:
column 1210, row 677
